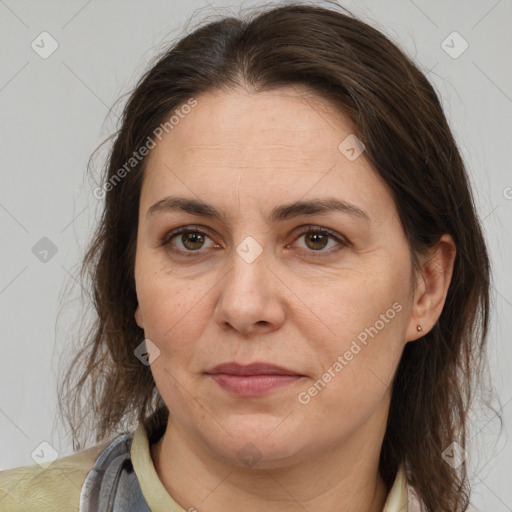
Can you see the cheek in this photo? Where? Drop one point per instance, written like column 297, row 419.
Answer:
column 364, row 302
column 367, row 319
column 367, row 348
column 354, row 384
column 172, row 314
column 172, row 311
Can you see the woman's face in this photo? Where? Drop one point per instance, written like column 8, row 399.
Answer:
column 258, row 284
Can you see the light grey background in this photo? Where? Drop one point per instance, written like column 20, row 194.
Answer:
column 55, row 112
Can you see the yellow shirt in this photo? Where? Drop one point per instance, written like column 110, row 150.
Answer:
column 57, row 488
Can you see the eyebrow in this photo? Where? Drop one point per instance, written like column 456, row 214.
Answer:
column 280, row 213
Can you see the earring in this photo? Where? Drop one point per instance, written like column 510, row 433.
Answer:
column 418, row 328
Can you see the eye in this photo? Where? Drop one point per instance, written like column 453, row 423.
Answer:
column 317, row 238
column 186, row 239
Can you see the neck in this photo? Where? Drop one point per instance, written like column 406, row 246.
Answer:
column 343, row 479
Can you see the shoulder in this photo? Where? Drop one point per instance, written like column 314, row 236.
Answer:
column 55, row 488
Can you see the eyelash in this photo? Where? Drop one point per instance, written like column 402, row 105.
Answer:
column 166, row 241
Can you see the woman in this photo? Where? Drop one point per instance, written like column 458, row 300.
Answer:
column 291, row 283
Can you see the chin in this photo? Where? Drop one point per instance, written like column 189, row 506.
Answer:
column 258, row 444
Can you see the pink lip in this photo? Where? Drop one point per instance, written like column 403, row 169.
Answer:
column 252, row 380
column 257, row 368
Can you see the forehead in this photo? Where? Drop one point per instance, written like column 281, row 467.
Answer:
column 291, row 117
column 283, row 142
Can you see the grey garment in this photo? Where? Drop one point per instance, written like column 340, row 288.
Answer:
column 112, row 485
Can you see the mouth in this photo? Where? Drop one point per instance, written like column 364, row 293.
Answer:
column 255, row 379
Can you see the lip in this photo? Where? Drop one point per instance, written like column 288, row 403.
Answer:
column 257, row 368
column 255, row 379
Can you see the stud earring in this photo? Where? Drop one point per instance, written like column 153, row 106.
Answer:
column 418, row 328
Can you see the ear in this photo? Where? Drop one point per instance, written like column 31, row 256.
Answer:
column 138, row 317
column 432, row 286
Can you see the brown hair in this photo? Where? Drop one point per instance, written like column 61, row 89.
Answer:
column 396, row 113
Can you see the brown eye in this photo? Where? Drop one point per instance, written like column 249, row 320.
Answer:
column 316, row 241
column 192, row 241
column 320, row 240
column 187, row 240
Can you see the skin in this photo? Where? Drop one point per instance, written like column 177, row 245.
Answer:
column 246, row 153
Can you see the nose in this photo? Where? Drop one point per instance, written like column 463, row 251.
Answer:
column 250, row 298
